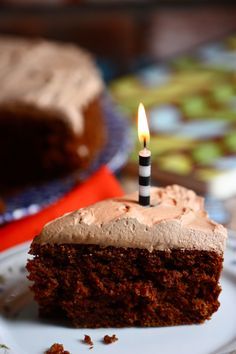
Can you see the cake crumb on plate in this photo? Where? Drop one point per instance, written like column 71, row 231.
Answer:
column 109, row 339
column 57, row 349
column 87, row 340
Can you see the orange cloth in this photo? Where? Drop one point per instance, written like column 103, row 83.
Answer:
column 99, row 186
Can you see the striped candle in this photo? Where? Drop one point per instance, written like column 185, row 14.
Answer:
column 144, row 177
column 144, row 158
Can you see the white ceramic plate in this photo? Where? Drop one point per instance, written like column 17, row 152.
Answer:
column 24, row 333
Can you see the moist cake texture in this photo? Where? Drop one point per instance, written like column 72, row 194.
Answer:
column 117, row 264
column 49, row 104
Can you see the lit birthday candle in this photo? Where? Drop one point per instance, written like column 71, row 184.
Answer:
column 144, row 158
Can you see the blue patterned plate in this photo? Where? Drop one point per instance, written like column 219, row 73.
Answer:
column 114, row 155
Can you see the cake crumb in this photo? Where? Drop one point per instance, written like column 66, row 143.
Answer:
column 88, row 340
column 57, row 349
column 109, row 339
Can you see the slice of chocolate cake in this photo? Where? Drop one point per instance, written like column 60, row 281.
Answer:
column 117, row 264
column 51, row 120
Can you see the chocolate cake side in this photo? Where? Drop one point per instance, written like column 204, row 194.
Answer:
column 118, row 287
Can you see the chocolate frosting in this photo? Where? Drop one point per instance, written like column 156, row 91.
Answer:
column 56, row 79
column 176, row 219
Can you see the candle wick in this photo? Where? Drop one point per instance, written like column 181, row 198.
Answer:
column 144, row 143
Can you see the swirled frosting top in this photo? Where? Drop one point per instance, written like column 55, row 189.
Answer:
column 175, row 219
column 50, row 77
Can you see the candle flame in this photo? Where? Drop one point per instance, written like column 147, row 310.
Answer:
column 143, row 130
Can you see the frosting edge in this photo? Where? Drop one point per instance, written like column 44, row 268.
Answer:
column 192, row 229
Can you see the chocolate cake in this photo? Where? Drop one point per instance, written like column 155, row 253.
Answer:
column 50, row 110
column 116, row 263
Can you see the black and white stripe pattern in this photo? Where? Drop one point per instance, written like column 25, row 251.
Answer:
column 144, row 177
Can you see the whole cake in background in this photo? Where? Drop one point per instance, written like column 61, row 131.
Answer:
column 50, row 111
column 117, row 264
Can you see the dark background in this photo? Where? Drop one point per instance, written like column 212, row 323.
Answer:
column 123, row 35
